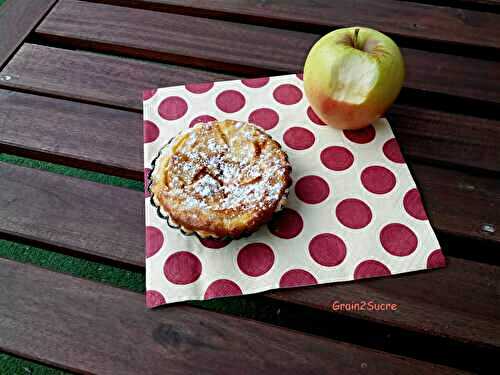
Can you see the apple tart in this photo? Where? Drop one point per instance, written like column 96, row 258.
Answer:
column 220, row 179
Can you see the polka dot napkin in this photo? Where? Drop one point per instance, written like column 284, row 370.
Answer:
column 353, row 212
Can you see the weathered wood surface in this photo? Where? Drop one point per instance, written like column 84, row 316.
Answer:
column 242, row 48
column 459, row 203
column 83, row 216
column 81, row 108
column 397, row 18
column 93, row 328
column 17, row 20
column 423, row 133
column 96, row 78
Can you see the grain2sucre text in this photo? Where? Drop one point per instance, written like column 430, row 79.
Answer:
column 364, row 305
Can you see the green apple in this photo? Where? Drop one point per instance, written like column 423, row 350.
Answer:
column 352, row 76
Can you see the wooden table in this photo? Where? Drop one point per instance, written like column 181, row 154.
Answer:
column 70, row 70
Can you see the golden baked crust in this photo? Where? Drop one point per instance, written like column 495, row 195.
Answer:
column 220, row 179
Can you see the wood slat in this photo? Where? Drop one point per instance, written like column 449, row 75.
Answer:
column 418, row 296
column 71, row 133
column 438, row 136
column 95, row 78
column 423, row 133
column 414, row 20
column 88, row 327
column 458, row 203
column 458, row 302
column 89, row 217
column 472, row 2
column 17, row 19
column 483, row 5
column 489, row 313
column 242, row 48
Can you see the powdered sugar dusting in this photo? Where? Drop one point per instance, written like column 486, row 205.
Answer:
column 229, row 166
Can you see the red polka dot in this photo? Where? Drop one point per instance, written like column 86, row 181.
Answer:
column 222, row 288
column 436, row 259
column 336, row 158
column 413, row 205
column 151, row 131
column 286, row 224
column 298, row 138
column 266, row 118
column 378, row 180
column 230, row 101
column 287, row 94
column 214, row 243
column 147, row 171
column 392, row 151
column 199, row 88
column 300, row 76
column 154, row 298
column 362, row 136
column 148, row 94
column 314, row 117
column 312, row 189
column 154, row 241
column 353, row 213
column 172, row 108
column 398, row 239
column 202, row 118
column 182, row 268
column 255, row 83
column 327, row 249
column 371, row 268
column 297, row 277
column 255, row 259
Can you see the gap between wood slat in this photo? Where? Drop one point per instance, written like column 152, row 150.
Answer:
column 17, row 19
column 22, row 365
column 420, row 26
column 426, row 99
column 96, row 225
column 288, row 315
column 477, row 5
column 123, row 143
column 337, row 327
column 426, row 135
column 416, row 297
column 242, row 48
column 108, row 330
column 407, row 96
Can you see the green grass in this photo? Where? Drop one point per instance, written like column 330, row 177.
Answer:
column 13, row 365
column 62, row 263
column 71, row 265
column 115, row 276
column 74, row 172
column 10, row 365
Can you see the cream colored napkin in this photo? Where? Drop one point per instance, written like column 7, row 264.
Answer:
column 353, row 212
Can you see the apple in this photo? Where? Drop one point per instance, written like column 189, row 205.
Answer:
column 352, row 76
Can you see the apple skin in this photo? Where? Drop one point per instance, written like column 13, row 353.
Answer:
column 350, row 87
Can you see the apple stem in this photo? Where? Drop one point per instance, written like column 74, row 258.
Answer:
column 356, row 32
